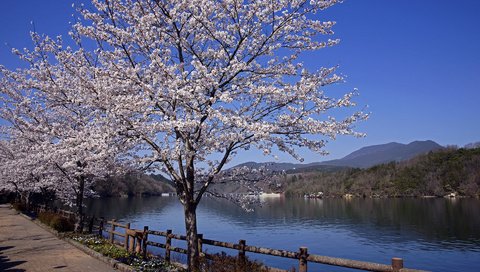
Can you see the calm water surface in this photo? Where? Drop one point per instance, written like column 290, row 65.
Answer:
column 431, row 234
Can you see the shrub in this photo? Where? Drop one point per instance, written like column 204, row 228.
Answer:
column 19, row 206
column 221, row 262
column 56, row 221
column 61, row 224
column 45, row 217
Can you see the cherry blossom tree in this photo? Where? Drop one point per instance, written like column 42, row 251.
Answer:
column 186, row 85
column 18, row 174
column 52, row 137
column 192, row 83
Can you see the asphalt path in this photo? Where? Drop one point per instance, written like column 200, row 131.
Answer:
column 25, row 246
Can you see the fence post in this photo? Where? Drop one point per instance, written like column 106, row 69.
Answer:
column 241, row 254
column 132, row 243
column 138, row 244
column 144, row 242
column 397, row 264
column 112, row 235
column 200, row 244
column 168, row 243
column 302, row 256
column 127, row 227
column 100, row 227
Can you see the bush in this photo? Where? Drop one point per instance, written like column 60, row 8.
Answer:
column 221, row 262
column 19, row 206
column 45, row 217
column 62, row 224
column 56, row 221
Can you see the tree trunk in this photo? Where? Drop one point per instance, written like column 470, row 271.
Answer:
column 192, row 238
column 79, row 205
column 27, row 198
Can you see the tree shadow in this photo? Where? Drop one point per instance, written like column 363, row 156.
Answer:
column 6, row 264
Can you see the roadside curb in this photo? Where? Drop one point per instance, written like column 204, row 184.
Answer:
column 25, row 216
column 112, row 262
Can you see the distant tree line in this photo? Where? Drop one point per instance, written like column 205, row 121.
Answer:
column 437, row 173
column 130, row 184
column 133, row 184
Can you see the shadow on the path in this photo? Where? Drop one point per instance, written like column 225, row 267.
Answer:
column 6, row 265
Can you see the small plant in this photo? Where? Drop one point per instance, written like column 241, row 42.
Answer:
column 106, row 248
column 152, row 264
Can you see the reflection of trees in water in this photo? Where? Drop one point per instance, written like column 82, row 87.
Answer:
column 444, row 221
column 119, row 208
column 448, row 222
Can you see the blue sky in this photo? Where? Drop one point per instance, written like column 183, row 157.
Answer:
column 416, row 65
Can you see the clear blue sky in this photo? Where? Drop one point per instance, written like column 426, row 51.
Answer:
column 416, row 64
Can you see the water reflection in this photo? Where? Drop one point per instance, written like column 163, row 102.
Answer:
column 120, row 208
column 364, row 229
column 433, row 220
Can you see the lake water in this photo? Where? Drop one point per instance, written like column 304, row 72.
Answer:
column 430, row 234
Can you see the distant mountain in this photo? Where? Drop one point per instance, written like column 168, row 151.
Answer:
column 274, row 166
column 472, row 145
column 384, row 153
column 161, row 178
column 291, row 167
column 316, row 167
column 362, row 158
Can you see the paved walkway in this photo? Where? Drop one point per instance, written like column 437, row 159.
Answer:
column 24, row 246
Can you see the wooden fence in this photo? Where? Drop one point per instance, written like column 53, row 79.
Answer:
column 42, row 208
column 138, row 240
column 91, row 223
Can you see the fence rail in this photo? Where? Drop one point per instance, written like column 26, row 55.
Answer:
column 137, row 241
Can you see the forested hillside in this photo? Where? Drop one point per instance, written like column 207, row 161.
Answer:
column 436, row 173
column 133, row 184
